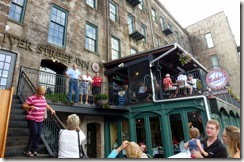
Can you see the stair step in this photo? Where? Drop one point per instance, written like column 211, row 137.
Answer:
column 13, row 132
column 16, row 101
column 18, row 111
column 34, row 157
column 15, row 117
column 17, row 106
column 13, row 151
column 18, row 124
column 14, row 141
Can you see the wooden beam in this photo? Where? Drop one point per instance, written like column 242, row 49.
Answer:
column 5, row 108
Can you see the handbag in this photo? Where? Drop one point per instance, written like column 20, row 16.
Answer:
column 81, row 151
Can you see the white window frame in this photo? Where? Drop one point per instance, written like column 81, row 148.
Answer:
column 209, row 40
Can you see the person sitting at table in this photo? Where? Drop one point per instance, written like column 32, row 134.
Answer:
column 182, row 83
column 142, row 92
column 169, row 85
column 191, row 83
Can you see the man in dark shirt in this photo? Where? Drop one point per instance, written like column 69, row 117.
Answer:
column 212, row 145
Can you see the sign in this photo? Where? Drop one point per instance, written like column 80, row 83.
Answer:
column 47, row 51
column 217, row 78
column 95, row 67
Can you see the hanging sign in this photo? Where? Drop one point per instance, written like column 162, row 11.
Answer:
column 217, row 78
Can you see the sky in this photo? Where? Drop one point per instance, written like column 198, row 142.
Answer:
column 188, row 12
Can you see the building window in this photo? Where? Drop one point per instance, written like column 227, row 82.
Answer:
column 209, row 40
column 91, row 3
column 141, row 5
column 214, row 60
column 113, row 9
column 162, row 23
column 157, row 41
column 133, row 50
column 115, row 46
column 91, row 37
column 16, row 11
column 130, row 24
column 154, row 15
column 57, row 27
column 144, row 32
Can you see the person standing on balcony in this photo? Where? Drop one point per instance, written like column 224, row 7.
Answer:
column 73, row 74
column 36, row 106
column 84, row 85
column 96, row 85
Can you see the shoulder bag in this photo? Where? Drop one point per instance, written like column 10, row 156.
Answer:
column 81, row 151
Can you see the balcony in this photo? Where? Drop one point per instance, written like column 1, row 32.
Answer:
column 136, row 35
column 133, row 3
column 57, row 89
column 135, row 31
column 167, row 30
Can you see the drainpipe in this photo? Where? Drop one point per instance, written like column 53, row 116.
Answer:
column 175, row 99
column 151, row 23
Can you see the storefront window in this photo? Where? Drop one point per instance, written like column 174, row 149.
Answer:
column 140, row 130
column 177, row 131
column 195, row 120
column 114, row 134
column 125, row 130
column 156, row 138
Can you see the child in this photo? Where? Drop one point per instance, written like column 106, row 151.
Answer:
column 194, row 143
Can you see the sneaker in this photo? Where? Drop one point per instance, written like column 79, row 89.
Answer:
column 36, row 154
column 29, row 154
column 86, row 103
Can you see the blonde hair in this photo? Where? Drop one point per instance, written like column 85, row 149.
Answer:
column 41, row 89
column 133, row 150
column 73, row 121
column 194, row 133
column 233, row 139
column 214, row 122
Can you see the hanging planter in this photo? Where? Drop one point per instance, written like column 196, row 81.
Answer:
column 184, row 59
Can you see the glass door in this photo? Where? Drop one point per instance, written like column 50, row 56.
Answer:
column 7, row 62
column 177, row 131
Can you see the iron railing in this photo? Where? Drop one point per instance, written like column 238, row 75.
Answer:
column 52, row 125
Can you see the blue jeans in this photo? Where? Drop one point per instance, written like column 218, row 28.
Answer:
column 35, row 134
column 73, row 85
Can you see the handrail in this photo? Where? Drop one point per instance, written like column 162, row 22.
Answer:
column 5, row 114
column 52, row 124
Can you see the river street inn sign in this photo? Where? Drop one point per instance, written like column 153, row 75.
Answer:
column 45, row 50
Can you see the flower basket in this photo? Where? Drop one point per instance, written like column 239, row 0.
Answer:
column 184, row 59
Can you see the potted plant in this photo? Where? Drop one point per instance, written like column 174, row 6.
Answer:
column 184, row 59
column 101, row 99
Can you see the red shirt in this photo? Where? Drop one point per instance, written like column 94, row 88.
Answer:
column 167, row 82
column 38, row 102
column 97, row 81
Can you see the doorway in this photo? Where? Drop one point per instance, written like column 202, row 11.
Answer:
column 91, row 140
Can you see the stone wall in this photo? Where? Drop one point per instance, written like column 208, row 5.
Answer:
column 224, row 46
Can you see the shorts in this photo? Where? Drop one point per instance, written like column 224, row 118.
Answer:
column 83, row 88
column 171, row 88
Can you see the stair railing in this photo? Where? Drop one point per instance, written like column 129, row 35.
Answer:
column 52, row 125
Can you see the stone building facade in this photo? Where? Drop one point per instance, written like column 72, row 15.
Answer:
column 223, row 50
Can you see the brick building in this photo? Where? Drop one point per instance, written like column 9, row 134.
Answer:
column 213, row 44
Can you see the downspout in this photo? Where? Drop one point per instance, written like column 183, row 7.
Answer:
column 175, row 99
column 150, row 20
column 107, row 32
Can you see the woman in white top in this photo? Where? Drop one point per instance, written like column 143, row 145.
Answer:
column 68, row 138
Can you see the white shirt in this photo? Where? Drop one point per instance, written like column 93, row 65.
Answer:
column 74, row 74
column 68, row 143
column 87, row 78
column 142, row 89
